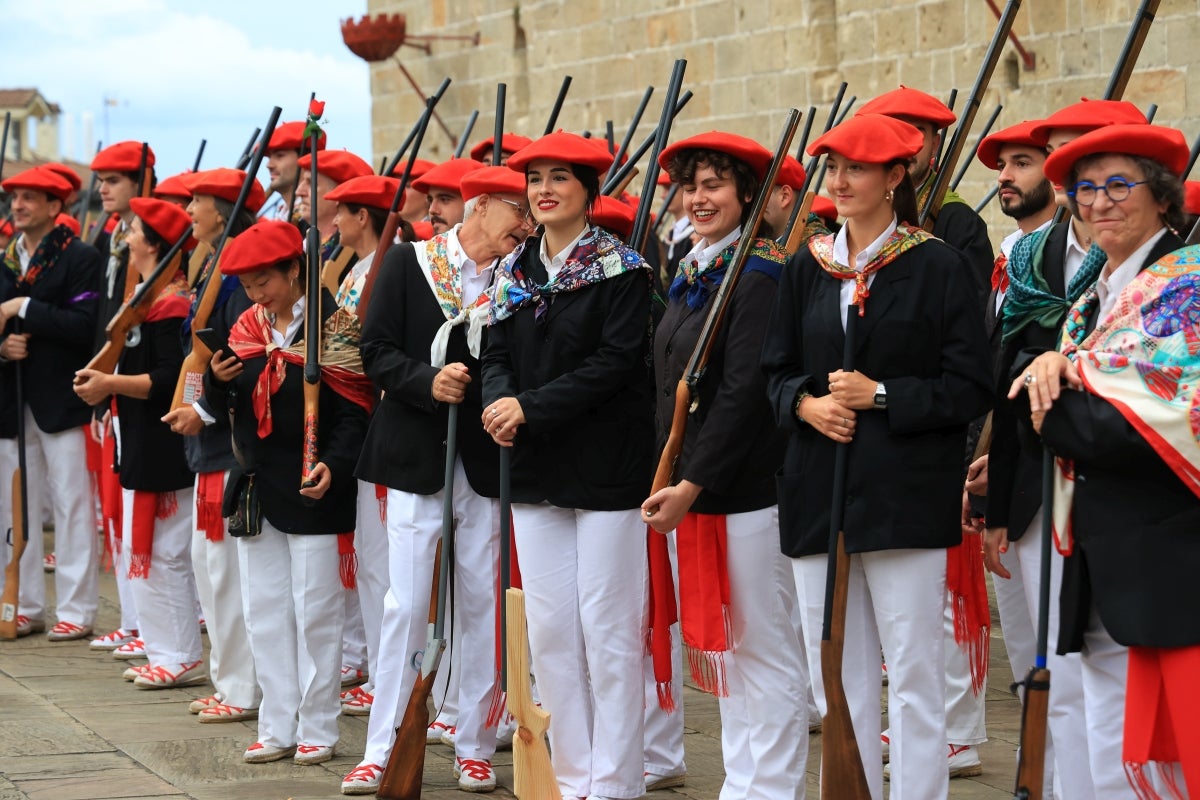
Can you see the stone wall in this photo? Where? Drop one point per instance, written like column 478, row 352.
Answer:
column 748, row 61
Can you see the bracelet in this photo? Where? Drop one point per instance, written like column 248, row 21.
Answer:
column 801, row 396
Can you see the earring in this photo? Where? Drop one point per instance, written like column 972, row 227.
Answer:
column 888, row 196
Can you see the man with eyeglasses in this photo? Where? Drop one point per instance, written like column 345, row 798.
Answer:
column 421, row 341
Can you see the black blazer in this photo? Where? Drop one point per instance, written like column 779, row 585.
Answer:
column 276, row 460
column 960, row 227
column 922, row 336
column 1015, row 460
column 581, row 375
column 1134, row 522
column 406, row 443
column 60, row 321
column 732, row 446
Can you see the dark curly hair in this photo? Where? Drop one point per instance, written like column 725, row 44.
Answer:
column 686, row 163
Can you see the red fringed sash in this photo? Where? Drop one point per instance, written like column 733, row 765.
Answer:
column 663, row 614
column 347, row 560
column 109, row 485
column 210, row 489
column 704, row 599
column 147, row 507
column 1162, row 702
column 968, row 596
column 381, row 498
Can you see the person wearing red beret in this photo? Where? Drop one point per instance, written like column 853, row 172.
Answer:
column 287, row 144
column 422, row 338
column 441, row 186
column 415, row 207
column 174, row 190
column 783, row 198
column 956, row 224
column 1115, row 402
column 509, row 144
column 156, row 484
column 48, row 306
column 296, row 553
column 912, row 392
column 334, row 167
column 565, row 385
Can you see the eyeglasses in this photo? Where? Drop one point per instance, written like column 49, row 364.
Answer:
column 524, row 213
column 1117, row 189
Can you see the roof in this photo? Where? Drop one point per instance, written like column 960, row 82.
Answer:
column 25, row 98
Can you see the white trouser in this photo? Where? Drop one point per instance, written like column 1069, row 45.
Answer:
column 166, row 597
column 585, row 580
column 1104, row 665
column 764, row 719
column 292, row 600
column 964, row 708
column 896, row 600
column 447, row 685
column 371, row 546
column 129, row 615
column 664, row 732
column 56, row 466
column 219, row 585
column 414, row 524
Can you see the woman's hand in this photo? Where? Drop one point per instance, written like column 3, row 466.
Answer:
column 15, row 347
column 450, row 384
column 225, row 369
column 321, row 479
column 853, row 390
column 829, row 417
column 1043, row 381
column 667, row 507
column 995, row 542
column 977, row 477
column 10, row 309
column 185, row 420
column 92, row 386
column 501, row 420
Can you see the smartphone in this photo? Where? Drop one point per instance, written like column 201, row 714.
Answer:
column 214, row 342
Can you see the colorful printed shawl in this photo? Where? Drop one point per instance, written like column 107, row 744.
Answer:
column 441, row 264
column 1029, row 299
column 901, row 241
column 696, row 282
column 598, row 256
column 45, row 256
column 1144, row 359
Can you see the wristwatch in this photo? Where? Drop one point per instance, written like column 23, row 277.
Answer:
column 880, row 396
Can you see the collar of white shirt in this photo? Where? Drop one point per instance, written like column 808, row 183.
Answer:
column 703, row 253
column 285, row 339
column 841, row 247
column 553, row 265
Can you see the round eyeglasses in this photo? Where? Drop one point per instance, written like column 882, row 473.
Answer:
column 1117, row 189
column 524, row 213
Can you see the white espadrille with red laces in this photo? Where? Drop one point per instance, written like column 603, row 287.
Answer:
column 113, row 640
column 68, row 632
column 357, row 702
column 162, row 677
column 223, row 712
column 433, row 734
column 352, row 676
column 134, row 649
column 310, row 754
column 198, row 705
column 474, row 775
column 132, row 673
column 363, row 779
column 26, row 626
column 261, row 753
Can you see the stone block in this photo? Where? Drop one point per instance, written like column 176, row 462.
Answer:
column 940, row 25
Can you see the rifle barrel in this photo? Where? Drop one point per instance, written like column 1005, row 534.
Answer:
column 637, row 120
column 247, row 151
column 641, row 220
column 558, row 104
column 623, row 171
column 199, row 155
column 465, row 136
column 498, row 131
column 966, row 162
column 1130, row 50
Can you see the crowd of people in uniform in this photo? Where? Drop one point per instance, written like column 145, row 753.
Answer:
column 511, row 304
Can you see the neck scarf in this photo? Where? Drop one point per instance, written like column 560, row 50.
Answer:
column 1000, row 280
column 45, row 256
column 441, row 261
column 598, row 256
column 1144, row 359
column 1029, row 299
column 695, row 282
column 901, row 241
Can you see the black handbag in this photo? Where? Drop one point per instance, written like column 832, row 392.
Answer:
column 242, row 508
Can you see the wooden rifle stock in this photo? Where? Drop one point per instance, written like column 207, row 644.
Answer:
column 196, row 261
column 331, row 274
column 12, row 572
column 793, row 238
column 533, row 772
column 133, row 312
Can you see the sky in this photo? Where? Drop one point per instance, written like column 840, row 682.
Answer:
column 176, row 73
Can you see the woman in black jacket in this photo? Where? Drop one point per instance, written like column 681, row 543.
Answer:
column 920, row 375
column 565, row 385
column 294, row 570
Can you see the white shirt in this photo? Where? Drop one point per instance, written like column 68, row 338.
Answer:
column 680, row 230
column 275, row 208
column 1073, row 259
column 555, row 264
column 704, row 253
column 1006, row 247
column 287, row 337
column 352, row 285
column 24, row 256
column 841, row 255
column 1113, row 280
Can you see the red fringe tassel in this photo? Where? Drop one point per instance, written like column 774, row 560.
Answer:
column 347, row 560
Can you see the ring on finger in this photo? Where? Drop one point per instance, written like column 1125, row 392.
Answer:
column 1030, row 378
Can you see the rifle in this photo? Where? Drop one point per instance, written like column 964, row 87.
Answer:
column 191, row 373
column 199, row 155
column 133, row 312
column 196, row 261
column 331, row 273
column 1131, row 49
column 402, row 775
column 466, row 135
column 558, row 104
column 686, row 399
column 248, row 150
column 18, row 534
column 927, row 218
column 296, row 180
column 641, row 220
column 637, row 120
column 312, row 311
column 792, row 243
column 842, row 772
column 810, row 168
column 941, row 148
column 662, row 209
column 1031, row 759
column 393, row 218
column 622, row 172
column 966, row 162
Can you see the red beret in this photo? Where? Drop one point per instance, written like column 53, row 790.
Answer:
column 174, row 186
column 509, row 143
column 225, row 183
column 1164, row 145
column 824, row 208
column 909, row 103
column 871, row 139
column 492, row 180
column 791, row 173
column 71, row 175
column 42, row 179
column 754, row 154
column 664, row 178
column 609, row 212
column 122, row 157
column 66, row 219
column 166, row 219
column 562, row 146
column 6, row 228
column 447, row 175
column 1088, row 115
column 420, row 167
column 290, row 136
column 376, row 191
column 1021, row 134
column 423, row 230
column 1191, row 197
column 262, row 245
column 337, row 165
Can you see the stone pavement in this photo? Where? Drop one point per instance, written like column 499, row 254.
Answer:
column 71, row 729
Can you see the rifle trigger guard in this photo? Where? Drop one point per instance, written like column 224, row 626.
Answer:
column 134, row 337
column 417, row 659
